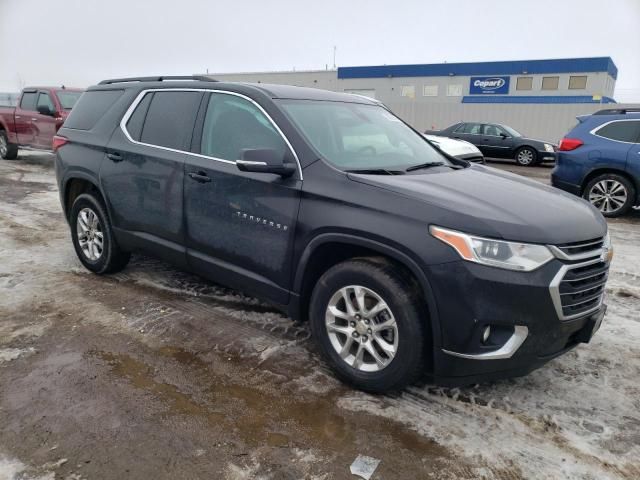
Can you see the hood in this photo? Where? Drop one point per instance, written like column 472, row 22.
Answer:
column 485, row 201
column 454, row 147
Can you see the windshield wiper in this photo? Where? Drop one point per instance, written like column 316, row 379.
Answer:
column 424, row 165
column 376, row 171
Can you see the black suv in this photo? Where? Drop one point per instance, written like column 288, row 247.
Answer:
column 405, row 261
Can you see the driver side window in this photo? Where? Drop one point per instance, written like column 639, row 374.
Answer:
column 44, row 100
column 233, row 124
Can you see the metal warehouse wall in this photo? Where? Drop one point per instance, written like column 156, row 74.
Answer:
column 543, row 121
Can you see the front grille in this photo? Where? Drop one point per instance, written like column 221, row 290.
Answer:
column 580, row 248
column 579, row 288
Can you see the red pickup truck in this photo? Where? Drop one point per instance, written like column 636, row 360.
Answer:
column 41, row 111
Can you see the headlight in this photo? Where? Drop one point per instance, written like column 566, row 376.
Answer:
column 548, row 148
column 496, row 253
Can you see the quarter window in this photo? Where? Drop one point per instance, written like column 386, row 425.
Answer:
column 233, row 124
column 170, row 119
column 28, row 101
column 622, row 131
column 524, row 83
column 136, row 121
column 577, row 82
column 550, row 83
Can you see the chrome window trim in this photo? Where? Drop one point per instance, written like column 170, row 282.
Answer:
column 138, row 99
column 510, row 347
column 554, row 290
column 595, row 131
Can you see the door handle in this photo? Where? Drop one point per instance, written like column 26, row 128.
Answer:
column 18, row 117
column 34, row 119
column 115, row 156
column 200, row 177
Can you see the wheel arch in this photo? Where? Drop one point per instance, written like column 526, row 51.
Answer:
column 328, row 249
column 596, row 172
column 75, row 185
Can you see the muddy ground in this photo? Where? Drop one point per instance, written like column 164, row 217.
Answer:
column 156, row 373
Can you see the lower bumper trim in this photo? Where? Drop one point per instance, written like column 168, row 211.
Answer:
column 510, row 347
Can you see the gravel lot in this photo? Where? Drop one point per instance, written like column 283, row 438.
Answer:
column 156, row 373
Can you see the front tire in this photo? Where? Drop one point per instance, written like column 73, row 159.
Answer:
column 368, row 318
column 8, row 151
column 93, row 237
column 526, row 156
column 612, row 194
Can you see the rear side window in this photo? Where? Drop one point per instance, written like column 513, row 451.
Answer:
column 170, row 119
column 622, row 131
column 28, row 101
column 472, row 128
column 136, row 121
column 91, row 107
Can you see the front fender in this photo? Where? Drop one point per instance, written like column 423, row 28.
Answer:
column 383, row 249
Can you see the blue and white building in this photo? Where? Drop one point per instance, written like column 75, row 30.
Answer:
column 539, row 97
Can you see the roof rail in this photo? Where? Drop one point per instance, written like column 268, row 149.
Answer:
column 617, row 111
column 200, row 78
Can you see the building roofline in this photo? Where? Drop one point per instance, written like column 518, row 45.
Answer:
column 268, row 72
column 511, row 67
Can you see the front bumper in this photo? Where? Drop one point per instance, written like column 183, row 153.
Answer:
column 526, row 327
column 545, row 156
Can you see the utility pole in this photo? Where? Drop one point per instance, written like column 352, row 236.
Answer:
column 334, row 56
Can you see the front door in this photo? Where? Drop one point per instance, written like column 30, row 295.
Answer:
column 239, row 225
column 44, row 126
column 496, row 142
column 143, row 169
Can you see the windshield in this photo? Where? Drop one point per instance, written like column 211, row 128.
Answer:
column 354, row 136
column 511, row 131
column 68, row 99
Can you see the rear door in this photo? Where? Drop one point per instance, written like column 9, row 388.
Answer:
column 471, row 132
column 44, row 126
column 24, row 113
column 142, row 174
column 240, row 225
column 621, row 145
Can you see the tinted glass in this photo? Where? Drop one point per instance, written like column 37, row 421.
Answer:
column 524, row 83
column 492, row 130
column 134, row 125
column 91, row 107
column 510, row 131
column 232, row 124
column 578, row 82
column 473, row 128
column 355, row 136
column 28, row 101
column 170, row 119
column 550, row 83
column 68, row 99
column 623, row 131
column 44, row 100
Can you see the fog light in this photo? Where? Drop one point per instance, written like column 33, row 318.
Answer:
column 486, row 333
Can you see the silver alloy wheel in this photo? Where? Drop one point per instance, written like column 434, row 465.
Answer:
column 362, row 328
column 525, row 156
column 608, row 196
column 4, row 148
column 90, row 236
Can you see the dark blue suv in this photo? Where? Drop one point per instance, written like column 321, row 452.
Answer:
column 600, row 160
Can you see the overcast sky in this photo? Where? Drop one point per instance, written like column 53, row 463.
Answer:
column 80, row 42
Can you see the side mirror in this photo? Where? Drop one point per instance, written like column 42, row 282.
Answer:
column 45, row 110
column 504, row 135
column 265, row 160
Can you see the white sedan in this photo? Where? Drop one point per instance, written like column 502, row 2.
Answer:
column 457, row 148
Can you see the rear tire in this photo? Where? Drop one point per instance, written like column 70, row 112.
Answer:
column 612, row 194
column 378, row 343
column 93, row 237
column 526, row 156
column 8, row 151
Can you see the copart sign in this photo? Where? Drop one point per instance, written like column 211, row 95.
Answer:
column 489, row 85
